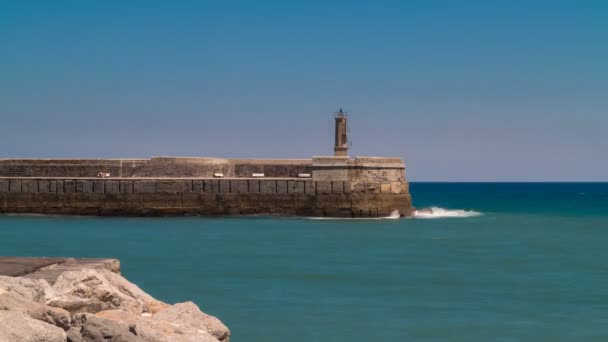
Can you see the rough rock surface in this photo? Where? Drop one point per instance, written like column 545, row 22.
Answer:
column 92, row 305
column 45, row 313
column 95, row 328
column 18, row 326
column 30, row 289
column 190, row 316
column 92, row 291
column 151, row 329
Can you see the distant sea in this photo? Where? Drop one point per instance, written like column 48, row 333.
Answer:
column 495, row 262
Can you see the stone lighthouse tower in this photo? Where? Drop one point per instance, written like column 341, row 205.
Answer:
column 341, row 145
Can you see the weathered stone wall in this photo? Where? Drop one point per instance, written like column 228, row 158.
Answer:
column 338, row 186
column 364, row 174
column 92, row 196
column 154, row 167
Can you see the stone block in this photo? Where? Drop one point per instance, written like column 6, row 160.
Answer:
column 298, row 187
column 310, row 188
column 362, row 213
column 239, row 186
column 268, row 186
column 52, row 186
column 191, row 200
column 358, row 187
column 112, row 187
column 29, row 185
column 373, row 212
column 211, row 186
column 224, row 186
column 331, row 202
column 228, row 200
column 59, row 187
column 347, row 187
column 337, row 188
column 79, row 186
column 187, row 186
column 304, row 203
column 98, row 187
column 169, row 187
column 373, row 188
column 330, row 175
column 126, row 187
column 254, row 186
column 85, row 186
column 197, row 186
column 384, row 212
column 161, row 200
column 4, row 185
column 281, row 187
column 385, row 188
column 284, row 201
column 323, row 188
column 15, row 185
column 44, row 186
column 397, row 188
column 69, row 186
column 144, row 187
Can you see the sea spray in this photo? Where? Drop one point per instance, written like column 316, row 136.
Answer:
column 436, row 212
column 395, row 215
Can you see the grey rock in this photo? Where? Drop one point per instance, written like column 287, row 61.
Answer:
column 18, row 326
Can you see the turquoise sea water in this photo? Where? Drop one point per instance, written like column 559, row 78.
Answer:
column 532, row 267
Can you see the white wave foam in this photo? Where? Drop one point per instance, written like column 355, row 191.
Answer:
column 436, row 212
column 395, row 215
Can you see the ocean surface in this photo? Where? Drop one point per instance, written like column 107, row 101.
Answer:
column 497, row 262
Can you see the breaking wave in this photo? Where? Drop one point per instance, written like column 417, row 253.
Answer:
column 436, row 212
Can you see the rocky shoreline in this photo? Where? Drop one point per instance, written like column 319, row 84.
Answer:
column 85, row 302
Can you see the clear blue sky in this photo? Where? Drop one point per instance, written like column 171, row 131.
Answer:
column 463, row 90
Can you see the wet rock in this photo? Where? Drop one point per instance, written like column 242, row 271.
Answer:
column 18, row 326
column 45, row 313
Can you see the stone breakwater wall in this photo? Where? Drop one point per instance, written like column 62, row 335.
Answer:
column 322, row 186
column 154, row 167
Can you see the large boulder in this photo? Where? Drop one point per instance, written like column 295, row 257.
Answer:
column 154, row 330
column 91, row 305
column 26, row 288
column 188, row 315
column 91, row 290
column 45, row 313
column 18, row 326
column 91, row 328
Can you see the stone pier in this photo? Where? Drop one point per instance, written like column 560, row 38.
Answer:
column 321, row 186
